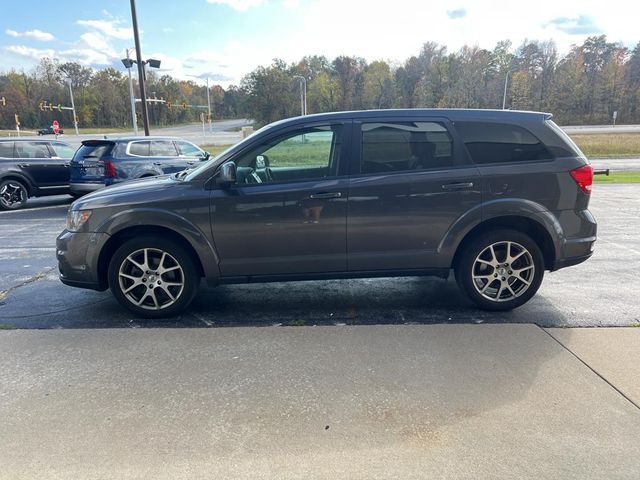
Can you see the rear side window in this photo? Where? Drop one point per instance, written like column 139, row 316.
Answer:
column 6, row 149
column 32, row 150
column 140, row 149
column 501, row 143
column 402, row 146
column 163, row 148
column 94, row 150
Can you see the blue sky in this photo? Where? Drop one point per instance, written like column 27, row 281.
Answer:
column 226, row 39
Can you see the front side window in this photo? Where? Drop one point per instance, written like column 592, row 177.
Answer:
column 404, row 146
column 32, row 150
column 307, row 155
column 63, row 150
column 501, row 143
column 189, row 149
column 140, row 149
column 163, row 148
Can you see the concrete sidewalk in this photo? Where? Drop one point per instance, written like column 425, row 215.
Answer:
column 350, row 402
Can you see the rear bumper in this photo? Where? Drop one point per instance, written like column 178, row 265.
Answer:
column 83, row 188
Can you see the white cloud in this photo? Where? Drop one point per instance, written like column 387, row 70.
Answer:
column 109, row 28
column 239, row 5
column 34, row 34
column 33, row 53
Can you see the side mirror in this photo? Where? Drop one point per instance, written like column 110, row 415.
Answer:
column 227, row 174
column 206, row 156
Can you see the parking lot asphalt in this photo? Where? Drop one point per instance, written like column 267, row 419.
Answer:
column 600, row 292
column 351, row 402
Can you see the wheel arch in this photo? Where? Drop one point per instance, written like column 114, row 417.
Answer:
column 121, row 236
column 538, row 232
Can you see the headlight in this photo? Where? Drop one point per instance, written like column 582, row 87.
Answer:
column 77, row 218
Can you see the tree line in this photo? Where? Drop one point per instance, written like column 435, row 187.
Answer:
column 586, row 86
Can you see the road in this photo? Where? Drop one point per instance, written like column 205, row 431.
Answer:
column 600, row 292
column 587, row 129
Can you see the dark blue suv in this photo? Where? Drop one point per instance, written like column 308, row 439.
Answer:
column 99, row 163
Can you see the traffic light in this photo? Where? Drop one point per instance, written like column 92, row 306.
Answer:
column 209, row 117
column 184, row 105
column 59, row 107
column 77, row 119
column 3, row 101
column 41, row 105
column 50, row 107
column 169, row 104
column 17, row 117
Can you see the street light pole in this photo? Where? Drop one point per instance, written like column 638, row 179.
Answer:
column 132, row 98
column 73, row 108
column 143, row 95
column 504, row 96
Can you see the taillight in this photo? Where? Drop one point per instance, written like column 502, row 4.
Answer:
column 583, row 176
column 109, row 169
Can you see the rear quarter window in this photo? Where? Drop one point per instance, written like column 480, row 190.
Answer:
column 140, row 149
column 6, row 149
column 501, row 143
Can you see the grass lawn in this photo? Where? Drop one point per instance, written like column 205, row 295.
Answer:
column 618, row 177
column 602, row 145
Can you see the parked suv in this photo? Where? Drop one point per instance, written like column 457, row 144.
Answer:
column 32, row 168
column 99, row 163
column 497, row 196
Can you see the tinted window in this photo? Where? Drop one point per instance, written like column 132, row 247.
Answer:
column 32, row 150
column 189, row 149
column 163, row 148
column 63, row 150
column 6, row 149
column 140, row 149
column 94, row 150
column 300, row 156
column 401, row 146
column 500, row 143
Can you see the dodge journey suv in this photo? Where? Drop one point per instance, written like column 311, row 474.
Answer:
column 497, row 196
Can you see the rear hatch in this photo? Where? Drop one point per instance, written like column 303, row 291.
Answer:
column 88, row 163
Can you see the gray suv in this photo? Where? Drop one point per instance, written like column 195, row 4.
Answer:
column 497, row 196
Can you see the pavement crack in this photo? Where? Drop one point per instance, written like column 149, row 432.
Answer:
column 38, row 276
column 591, row 368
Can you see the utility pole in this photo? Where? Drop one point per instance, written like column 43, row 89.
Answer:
column 73, row 108
column 143, row 95
column 303, row 94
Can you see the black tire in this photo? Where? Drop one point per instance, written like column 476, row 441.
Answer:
column 13, row 194
column 158, row 293
column 507, row 284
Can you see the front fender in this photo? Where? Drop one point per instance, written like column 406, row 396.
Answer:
column 141, row 217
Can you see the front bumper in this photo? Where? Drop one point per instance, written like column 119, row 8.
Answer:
column 78, row 255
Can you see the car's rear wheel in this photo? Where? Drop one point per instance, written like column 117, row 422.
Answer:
column 13, row 194
column 500, row 270
column 153, row 277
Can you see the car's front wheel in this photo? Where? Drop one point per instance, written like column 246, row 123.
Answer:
column 13, row 195
column 153, row 277
column 500, row 270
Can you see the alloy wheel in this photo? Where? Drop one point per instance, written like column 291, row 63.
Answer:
column 12, row 194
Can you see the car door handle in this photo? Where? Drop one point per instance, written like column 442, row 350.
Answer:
column 324, row 195
column 157, row 163
column 458, row 186
column 24, row 165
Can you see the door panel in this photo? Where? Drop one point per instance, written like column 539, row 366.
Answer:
column 411, row 184
column 34, row 159
column 287, row 212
